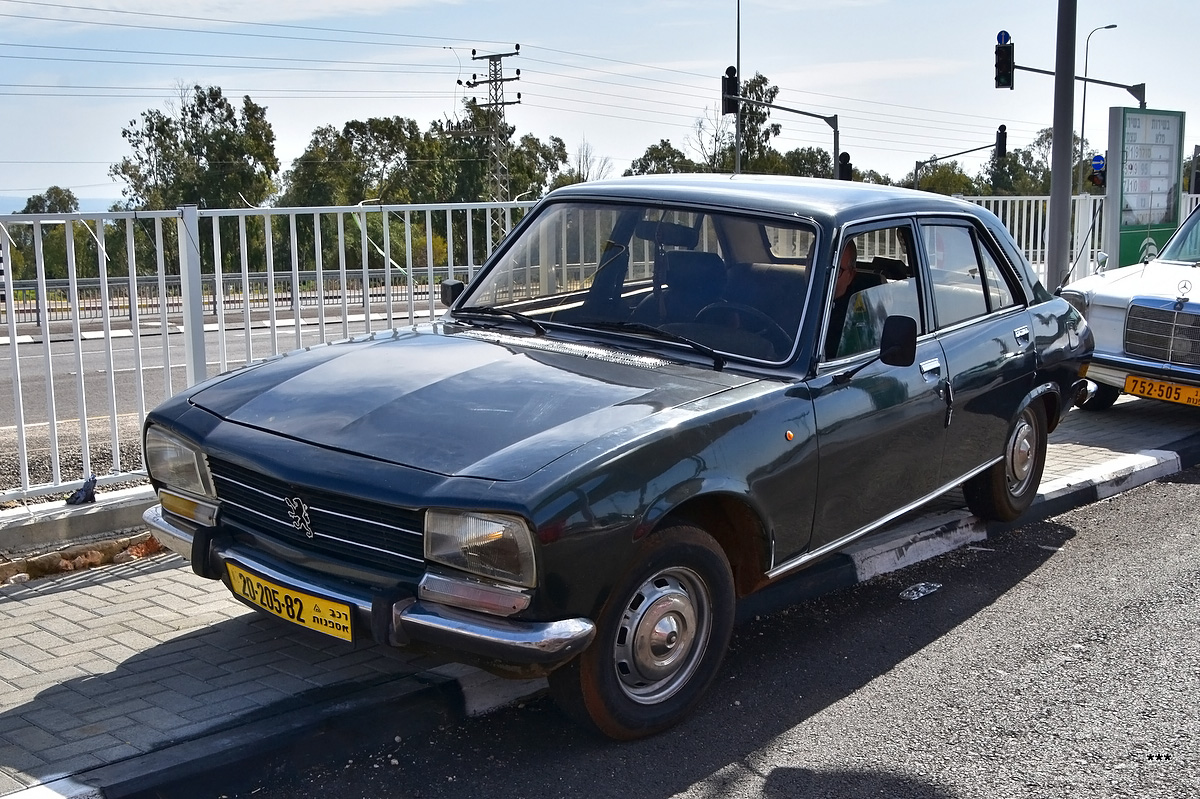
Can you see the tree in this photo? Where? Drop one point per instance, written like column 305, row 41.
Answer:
column 56, row 200
column 207, row 153
column 810, row 162
column 587, row 166
column 757, row 129
column 943, row 177
column 712, row 139
column 662, row 158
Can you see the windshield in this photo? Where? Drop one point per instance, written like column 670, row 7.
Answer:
column 1185, row 244
column 733, row 284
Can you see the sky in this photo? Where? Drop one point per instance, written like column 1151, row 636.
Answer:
column 908, row 79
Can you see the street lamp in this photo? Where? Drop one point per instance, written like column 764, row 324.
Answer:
column 1083, row 111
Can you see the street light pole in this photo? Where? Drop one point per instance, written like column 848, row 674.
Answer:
column 1083, row 111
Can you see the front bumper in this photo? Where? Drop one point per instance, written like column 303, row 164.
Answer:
column 527, row 646
column 1111, row 370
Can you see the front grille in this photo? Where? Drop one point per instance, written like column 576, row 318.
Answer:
column 350, row 530
column 1163, row 334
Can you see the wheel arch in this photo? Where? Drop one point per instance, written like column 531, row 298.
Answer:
column 1051, row 398
column 737, row 528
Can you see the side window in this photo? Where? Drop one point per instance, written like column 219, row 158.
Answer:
column 874, row 277
column 956, row 276
column 999, row 294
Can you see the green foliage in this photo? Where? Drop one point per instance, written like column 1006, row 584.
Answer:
column 662, row 158
column 208, row 153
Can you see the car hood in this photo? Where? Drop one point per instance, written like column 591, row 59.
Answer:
column 1163, row 279
column 473, row 404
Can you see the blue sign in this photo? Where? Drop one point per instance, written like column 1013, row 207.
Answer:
column 1097, row 162
column 1003, row 38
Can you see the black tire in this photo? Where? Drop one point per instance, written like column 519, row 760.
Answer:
column 1008, row 488
column 660, row 639
column 1103, row 399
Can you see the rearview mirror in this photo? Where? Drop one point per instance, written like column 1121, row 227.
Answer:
column 451, row 290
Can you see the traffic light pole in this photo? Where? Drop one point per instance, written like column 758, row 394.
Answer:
column 831, row 121
column 1138, row 90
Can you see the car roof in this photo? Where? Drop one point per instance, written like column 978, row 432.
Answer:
column 826, row 200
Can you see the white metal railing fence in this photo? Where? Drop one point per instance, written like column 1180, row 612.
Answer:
column 89, row 334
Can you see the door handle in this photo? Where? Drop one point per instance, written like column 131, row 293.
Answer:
column 931, row 369
column 1021, row 334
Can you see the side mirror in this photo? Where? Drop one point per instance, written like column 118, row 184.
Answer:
column 451, row 291
column 1101, row 261
column 898, row 343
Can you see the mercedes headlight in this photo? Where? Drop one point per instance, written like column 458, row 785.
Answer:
column 491, row 545
column 176, row 464
column 1078, row 300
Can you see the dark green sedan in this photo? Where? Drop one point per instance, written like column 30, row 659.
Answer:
column 660, row 395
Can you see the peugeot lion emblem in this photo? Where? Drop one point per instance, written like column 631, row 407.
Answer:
column 298, row 513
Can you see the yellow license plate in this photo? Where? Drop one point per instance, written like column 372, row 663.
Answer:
column 315, row 613
column 1160, row 390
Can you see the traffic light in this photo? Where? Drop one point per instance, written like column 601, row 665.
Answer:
column 1005, row 66
column 1001, row 142
column 1098, row 178
column 729, row 91
column 845, row 170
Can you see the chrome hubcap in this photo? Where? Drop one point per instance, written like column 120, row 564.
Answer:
column 662, row 635
column 1022, row 445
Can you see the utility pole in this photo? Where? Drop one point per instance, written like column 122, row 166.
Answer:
column 497, row 157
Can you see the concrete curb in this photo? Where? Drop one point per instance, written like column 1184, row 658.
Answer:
column 46, row 525
column 452, row 692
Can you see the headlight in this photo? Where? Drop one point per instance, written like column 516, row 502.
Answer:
column 487, row 544
column 1078, row 300
column 176, row 464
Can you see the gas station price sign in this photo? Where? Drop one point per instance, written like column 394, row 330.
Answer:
column 1145, row 210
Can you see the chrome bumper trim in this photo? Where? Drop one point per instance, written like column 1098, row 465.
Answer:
column 175, row 537
column 522, row 642
column 1112, row 371
column 413, row 621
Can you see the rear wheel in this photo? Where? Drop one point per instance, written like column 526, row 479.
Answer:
column 1007, row 489
column 660, row 639
column 1103, row 399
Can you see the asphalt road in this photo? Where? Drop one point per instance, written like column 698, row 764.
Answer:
column 1057, row 660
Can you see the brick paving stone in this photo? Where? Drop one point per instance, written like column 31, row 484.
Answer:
column 183, row 684
column 33, row 739
column 240, row 676
column 114, row 754
column 158, row 718
column 266, row 697
column 41, row 639
column 116, row 653
column 46, row 679
column 84, row 746
column 10, row 669
column 18, row 758
column 51, row 719
column 65, row 767
column 111, row 726
column 219, row 710
column 10, row 784
column 119, row 708
column 201, row 669
column 173, row 701
column 26, row 654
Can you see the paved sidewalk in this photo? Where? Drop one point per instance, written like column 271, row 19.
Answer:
column 123, row 678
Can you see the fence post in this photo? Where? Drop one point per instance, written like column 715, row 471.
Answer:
column 193, row 294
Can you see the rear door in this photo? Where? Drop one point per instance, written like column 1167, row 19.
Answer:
column 984, row 328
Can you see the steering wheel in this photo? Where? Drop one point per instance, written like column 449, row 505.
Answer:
column 749, row 319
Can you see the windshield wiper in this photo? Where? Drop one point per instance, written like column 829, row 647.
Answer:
column 491, row 310
column 641, row 327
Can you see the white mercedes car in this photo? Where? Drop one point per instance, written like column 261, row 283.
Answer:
column 1146, row 320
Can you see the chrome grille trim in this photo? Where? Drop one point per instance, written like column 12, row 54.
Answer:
column 1154, row 329
column 257, row 504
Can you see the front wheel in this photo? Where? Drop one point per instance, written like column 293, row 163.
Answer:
column 1007, row 489
column 660, row 639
